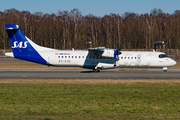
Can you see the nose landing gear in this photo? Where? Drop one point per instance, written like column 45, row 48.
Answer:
column 165, row 69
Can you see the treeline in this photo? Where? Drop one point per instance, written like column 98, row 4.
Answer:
column 67, row 30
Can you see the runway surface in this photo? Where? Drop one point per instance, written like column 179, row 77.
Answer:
column 89, row 74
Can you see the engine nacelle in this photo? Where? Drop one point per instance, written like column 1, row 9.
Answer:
column 110, row 53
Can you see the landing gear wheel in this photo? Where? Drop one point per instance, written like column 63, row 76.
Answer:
column 165, row 69
column 97, row 70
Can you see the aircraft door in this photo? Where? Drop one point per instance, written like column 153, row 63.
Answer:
column 48, row 60
column 139, row 58
column 117, row 60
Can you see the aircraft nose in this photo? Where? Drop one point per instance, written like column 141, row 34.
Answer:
column 173, row 62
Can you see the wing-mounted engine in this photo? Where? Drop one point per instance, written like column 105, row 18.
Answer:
column 104, row 52
column 110, row 53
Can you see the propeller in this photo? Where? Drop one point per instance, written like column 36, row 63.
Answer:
column 118, row 53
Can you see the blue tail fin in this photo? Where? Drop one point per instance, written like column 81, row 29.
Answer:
column 20, row 45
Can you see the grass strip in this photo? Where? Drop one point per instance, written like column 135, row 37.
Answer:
column 116, row 100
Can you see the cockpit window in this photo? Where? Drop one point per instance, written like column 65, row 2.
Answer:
column 162, row 56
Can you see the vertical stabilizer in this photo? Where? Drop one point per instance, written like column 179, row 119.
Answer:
column 21, row 47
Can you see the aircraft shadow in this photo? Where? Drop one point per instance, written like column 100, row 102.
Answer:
column 87, row 71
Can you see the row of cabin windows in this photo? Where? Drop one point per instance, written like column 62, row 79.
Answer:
column 90, row 57
column 129, row 58
column 96, row 57
column 70, row 57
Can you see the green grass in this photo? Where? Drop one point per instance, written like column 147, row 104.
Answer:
column 88, row 101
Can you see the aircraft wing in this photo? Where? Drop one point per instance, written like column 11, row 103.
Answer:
column 97, row 51
column 103, row 51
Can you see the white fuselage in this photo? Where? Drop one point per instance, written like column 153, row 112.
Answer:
column 87, row 60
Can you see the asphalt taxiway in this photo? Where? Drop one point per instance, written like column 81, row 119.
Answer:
column 89, row 74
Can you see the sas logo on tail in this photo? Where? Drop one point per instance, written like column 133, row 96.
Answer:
column 20, row 44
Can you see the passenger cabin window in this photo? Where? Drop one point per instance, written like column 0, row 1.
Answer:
column 162, row 56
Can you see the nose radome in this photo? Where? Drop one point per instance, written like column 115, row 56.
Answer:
column 173, row 62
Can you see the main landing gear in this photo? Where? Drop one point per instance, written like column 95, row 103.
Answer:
column 97, row 69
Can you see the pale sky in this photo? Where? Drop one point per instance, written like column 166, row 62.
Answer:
column 95, row 7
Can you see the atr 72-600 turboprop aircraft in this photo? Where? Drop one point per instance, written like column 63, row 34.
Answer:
column 94, row 58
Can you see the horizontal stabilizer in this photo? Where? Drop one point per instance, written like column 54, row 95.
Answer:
column 11, row 27
column 9, row 54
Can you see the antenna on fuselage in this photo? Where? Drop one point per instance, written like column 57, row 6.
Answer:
column 89, row 44
column 159, row 43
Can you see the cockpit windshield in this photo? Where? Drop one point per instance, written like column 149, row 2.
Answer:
column 162, row 56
